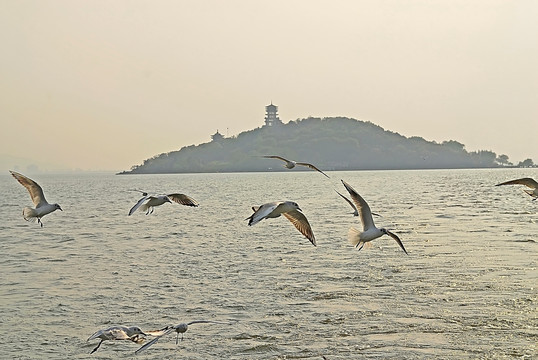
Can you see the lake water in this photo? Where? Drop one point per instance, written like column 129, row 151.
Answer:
column 468, row 288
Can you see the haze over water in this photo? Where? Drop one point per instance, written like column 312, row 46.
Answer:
column 468, row 288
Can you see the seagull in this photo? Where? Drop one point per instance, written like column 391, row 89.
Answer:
column 117, row 333
column 180, row 328
column 355, row 211
column 290, row 164
column 528, row 182
column 370, row 231
column 289, row 209
column 147, row 202
column 42, row 207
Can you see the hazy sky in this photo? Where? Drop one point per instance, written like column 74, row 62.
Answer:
column 103, row 85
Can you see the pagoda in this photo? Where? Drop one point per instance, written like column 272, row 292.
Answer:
column 271, row 115
column 216, row 137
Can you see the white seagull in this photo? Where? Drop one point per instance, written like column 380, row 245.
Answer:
column 528, row 182
column 370, row 231
column 355, row 211
column 290, row 164
column 148, row 202
column 42, row 207
column 289, row 209
column 117, row 333
column 180, row 328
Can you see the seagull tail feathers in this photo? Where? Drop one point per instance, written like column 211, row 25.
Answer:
column 28, row 213
column 354, row 236
column 253, row 221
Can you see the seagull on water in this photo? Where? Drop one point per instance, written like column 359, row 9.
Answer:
column 148, row 202
column 117, row 333
column 180, row 328
column 528, row 182
column 289, row 209
column 370, row 231
column 42, row 207
column 290, row 164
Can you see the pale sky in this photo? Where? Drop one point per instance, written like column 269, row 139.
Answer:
column 103, row 85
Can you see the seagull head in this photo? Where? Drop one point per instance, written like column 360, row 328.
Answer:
column 135, row 330
column 295, row 205
column 57, row 207
column 167, row 199
column 181, row 328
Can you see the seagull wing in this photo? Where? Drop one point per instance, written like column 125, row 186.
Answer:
column 528, row 182
column 95, row 335
column 145, row 346
column 300, row 222
column 395, row 237
column 262, row 212
column 356, row 212
column 138, row 204
column 183, row 199
column 289, row 163
column 159, row 332
column 206, row 322
column 36, row 193
column 119, row 334
column 276, row 157
column 362, row 206
column 312, row 167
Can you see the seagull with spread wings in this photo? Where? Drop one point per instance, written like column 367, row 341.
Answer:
column 370, row 231
column 290, row 210
column 42, row 207
column 528, row 182
column 290, row 164
column 148, row 202
column 355, row 211
column 117, row 333
column 179, row 329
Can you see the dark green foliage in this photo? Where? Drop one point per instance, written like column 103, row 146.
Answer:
column 330, row 143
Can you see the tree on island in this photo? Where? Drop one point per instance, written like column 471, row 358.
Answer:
column 503, row 160
column 526, row 163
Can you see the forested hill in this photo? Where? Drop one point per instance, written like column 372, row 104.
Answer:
column 329, row 143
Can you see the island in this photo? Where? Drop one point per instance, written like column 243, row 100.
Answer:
column 332, row 143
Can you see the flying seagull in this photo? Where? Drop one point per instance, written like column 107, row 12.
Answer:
column 289, row 209
column 42, row 207
column 355, row 211
column 528, row 182
column 290, row 164
column 147, row 202
column 180, row 328
column 370, row 231
column 117, row 333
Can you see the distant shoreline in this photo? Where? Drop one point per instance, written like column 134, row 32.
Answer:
column 334, row 170
column 331, row 144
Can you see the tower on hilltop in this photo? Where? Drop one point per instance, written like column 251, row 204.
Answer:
column 271, row 115
column 216, row 137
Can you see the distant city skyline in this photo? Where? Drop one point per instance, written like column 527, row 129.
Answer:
column 96, row 86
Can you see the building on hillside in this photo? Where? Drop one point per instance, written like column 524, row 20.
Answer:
column 216, row 137
column 271, row 115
